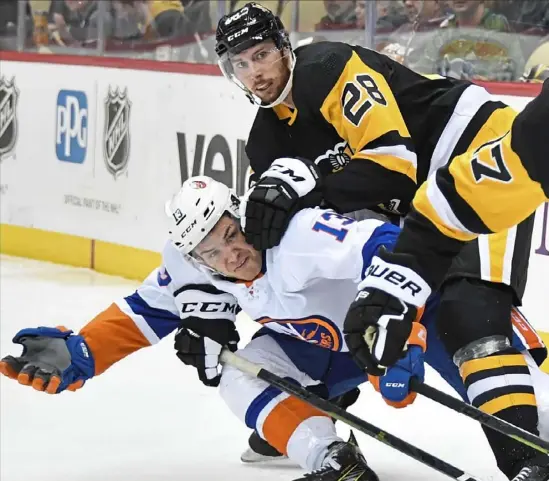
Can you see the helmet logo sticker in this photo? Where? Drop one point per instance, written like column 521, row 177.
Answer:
column 198, row 184
column 237, row 34
column 236, row 16
column 178, row 216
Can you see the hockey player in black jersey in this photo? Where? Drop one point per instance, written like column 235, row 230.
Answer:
column 368, row 133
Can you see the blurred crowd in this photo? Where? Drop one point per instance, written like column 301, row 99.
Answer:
column 497, row 40
column 494, row 40
column 76, row 23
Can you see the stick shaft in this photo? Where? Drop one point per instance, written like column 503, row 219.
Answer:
column 518, row 434
column 340, row 414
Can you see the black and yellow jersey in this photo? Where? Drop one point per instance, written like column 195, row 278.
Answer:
column 489, row 189
column 378, row 128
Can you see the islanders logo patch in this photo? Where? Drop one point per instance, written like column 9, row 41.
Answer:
column 314, row 329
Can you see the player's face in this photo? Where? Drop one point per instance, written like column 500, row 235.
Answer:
column 226, row 251
column 263, row 69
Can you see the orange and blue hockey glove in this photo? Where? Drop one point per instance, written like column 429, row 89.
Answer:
column 53, row 360
column 394, row 385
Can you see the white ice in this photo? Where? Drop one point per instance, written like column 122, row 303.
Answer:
column 150, row 419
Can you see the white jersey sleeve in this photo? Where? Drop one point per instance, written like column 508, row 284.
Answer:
column 173, row 292
column 321, row 244
column 176, row 290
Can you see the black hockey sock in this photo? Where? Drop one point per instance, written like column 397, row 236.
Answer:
column 501, row 385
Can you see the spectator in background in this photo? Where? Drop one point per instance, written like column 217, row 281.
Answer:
column 390, row 15
column 426, row 15
column 130, row 19
column 340, row 14
column 149, row 19
column 40, row 30
column 475, row 45
column 164, row 18
column 475, row 14
column 75, row 22
column 197, row 15
column 407, row 43
column 8, row 18
column 530, row 17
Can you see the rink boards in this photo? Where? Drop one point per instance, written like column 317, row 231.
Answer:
column 92, row 148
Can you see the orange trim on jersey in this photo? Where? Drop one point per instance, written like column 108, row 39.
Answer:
column 284, row 419
column 249, row 283
column 533, row 341
column 332, row 343
column 111, row 336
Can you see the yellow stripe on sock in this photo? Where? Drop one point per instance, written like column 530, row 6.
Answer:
column 509, row 400
column 492, row 362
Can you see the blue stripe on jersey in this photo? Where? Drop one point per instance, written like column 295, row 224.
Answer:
column 517, row 343
column 384, row 235
column 161, row 321
column 260, row 402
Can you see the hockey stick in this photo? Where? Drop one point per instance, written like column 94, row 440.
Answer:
column 336, row 412
column 497, row 424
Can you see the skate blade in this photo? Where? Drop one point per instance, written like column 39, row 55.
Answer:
column 251, row 457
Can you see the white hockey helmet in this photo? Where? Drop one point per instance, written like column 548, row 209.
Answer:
column 195, row 210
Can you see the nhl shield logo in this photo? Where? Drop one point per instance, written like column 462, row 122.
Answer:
column 8, row 116
column 117, row 131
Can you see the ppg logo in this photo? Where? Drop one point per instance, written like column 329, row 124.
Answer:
column 72, row 126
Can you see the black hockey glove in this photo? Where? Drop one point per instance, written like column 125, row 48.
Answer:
column 379, row 321
column 199, row 343
column 288, row 186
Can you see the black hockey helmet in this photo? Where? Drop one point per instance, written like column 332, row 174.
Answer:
column 248, row 26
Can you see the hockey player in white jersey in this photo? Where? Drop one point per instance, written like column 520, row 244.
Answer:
column 299, row 291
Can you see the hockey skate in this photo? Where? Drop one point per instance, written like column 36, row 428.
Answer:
column 344, row 462
column 536, row 469
column 260, row 451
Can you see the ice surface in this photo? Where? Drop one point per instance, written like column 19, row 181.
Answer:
column 149, row 418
